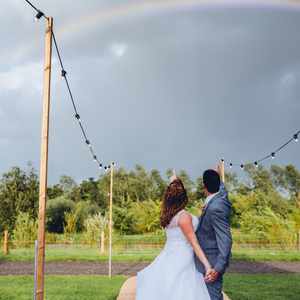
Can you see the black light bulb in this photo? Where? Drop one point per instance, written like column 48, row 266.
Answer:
column 273, row 155
column 296, row 137
column 256, row 164
column 39, row 15
column 230, row 165
column 242, row 166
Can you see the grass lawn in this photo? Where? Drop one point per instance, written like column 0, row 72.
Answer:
column 62, row 287
column 92, row 254
column 237, row 286
column 262, row 287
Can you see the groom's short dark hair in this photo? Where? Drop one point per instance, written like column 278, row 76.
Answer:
column 212, row 181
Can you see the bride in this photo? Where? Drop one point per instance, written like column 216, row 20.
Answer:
column 173, row 275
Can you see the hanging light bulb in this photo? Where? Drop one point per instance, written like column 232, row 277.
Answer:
column 222, row 160
column 256, row 164
column 230, row 165
column 77, row 116
column 39, row 15
column 100, row 166
column 242, row 166
column 95, row 158
column 63, row 73
column 273, row 155
column 88, row 143
column 295, row 137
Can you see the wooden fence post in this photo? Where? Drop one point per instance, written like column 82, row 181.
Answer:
column 298, row 240
column 5, row 243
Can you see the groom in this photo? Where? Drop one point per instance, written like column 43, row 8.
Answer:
column 213, row 233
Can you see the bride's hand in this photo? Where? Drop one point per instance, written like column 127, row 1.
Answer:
column 208, row 271
column 211, row 276
column 173, row 177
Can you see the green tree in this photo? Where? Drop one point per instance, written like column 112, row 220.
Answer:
column 56, row 212
column 18, row 193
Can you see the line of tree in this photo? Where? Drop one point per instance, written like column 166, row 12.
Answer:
column 266, row 204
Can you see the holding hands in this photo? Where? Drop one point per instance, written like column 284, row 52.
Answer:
column 211, row 275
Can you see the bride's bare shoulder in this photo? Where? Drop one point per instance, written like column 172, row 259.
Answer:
column 184, row 218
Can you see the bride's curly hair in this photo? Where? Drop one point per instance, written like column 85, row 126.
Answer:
column 175, row 199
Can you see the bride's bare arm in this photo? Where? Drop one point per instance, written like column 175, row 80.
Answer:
column 185, row 222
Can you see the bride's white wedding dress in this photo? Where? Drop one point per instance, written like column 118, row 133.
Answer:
column 173, row 275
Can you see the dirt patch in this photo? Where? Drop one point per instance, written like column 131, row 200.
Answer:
column 129, row 269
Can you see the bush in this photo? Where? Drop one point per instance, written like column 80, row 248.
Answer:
column 123, row 220
column 25, row 231
column 70, row 222
column 56, row 210
column 146, row 216
column 94, row 225
column 267, row 227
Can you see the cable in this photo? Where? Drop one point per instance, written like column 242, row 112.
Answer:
column 272, row 155
column 39, row 15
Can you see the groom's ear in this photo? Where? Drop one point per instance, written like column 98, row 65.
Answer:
column 205, row 191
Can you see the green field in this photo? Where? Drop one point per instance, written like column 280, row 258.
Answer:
column 62, row 287
column 238, row 287
column 83, row 253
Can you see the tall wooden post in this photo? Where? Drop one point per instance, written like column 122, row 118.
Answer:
column 102, row 241
column 44, row 162
column 222, row 170
column 5, row 243
column 110, row 219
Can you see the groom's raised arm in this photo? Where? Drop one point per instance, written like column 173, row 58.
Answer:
column 222, row 191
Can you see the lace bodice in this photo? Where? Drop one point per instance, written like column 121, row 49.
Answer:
column 174, row 232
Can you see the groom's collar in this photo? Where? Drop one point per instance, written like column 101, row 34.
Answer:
column 208, row 198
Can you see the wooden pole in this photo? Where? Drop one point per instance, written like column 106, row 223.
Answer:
column 5, row 243
column 35, row 267
column 44, row 162
column 222, row 171
column 298, row 240
column 110, row 219
column 102, row 239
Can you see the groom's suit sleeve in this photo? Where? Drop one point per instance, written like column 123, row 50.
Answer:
column 219, row 216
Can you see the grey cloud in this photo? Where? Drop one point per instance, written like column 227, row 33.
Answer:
column 173, row 88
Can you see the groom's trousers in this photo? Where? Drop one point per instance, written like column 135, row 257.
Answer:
column 215, row 289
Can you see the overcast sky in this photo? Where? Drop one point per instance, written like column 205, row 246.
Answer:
column 164, row 84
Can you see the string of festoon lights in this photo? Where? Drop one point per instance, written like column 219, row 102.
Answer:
column 272, row 155
column 40, row 14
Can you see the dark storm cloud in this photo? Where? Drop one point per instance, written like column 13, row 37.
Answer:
column 165, row 86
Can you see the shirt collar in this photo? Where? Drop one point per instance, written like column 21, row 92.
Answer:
column 208, row 198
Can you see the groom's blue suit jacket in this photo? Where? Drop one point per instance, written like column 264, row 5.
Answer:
column 214, row 234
